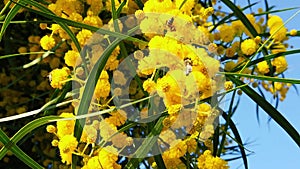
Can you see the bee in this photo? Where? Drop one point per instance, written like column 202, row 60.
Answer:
column 50, row 77
column 188, row 66
column 169, row 23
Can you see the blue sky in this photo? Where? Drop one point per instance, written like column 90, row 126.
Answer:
column 272, row 147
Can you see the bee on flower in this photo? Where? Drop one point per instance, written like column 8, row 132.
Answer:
column 169, row 23
column 188, row 66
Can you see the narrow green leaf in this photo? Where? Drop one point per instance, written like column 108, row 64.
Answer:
column 267, row 57
column 230, row 113
column 159, row 161
column 146, row 146
column 239, row 14
column 85, row 26
column 62, row 24
column 139, row 3
column 25, row 130
column 11, row 144
column 237, row 138
column 7, row 5
column 275, row 11
column 11, row 14
column 269, row 109
column 89, row 88
column 118, row 12
column 268, row 78
column 223, row 20
column 181, row 5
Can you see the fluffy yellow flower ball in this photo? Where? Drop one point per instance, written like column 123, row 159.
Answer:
column 72, row 58
column 65, row 127
column 67, row 144
column 58, row 77
column 47, row 42
column 263, row 67
column 248, row 47
column 207, row 161
column 293, row 32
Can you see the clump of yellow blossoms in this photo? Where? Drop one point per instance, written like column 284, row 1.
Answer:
column 58, row 77
column 67, row 145
column 248, row 46
column 47, row 42
column 277, row 29
column 207, row 161
column 180, row 42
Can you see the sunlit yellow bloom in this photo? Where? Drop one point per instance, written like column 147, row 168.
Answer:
column 108, row 157
column 93, row 21
column 207, row 161
column 226, row 33
column 65, row 127
column 293, row 32
column 67, row 144
column 263, row 67
column 280, row 64
column 89, row 134
column 58, row 77
column 117, row 118
column 149, row 86
column 72, row 58
column 228, row 85
column 248, row 46
column 47, row 42
column 83, row 36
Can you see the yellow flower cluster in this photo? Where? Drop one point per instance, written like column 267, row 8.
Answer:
column 102, row 88
column 106, row 159
column 277, row 29
column 207, row 161
column 58, row 77
column 248, row 46
column 179, row 59
column 67, row 143
column 47, row 42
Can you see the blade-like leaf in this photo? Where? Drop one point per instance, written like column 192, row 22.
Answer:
column 237, row 138
column 85, row 26
column 11, row 14
column 267, row 78
column 224, row 20
column 269, row 109
column 268, row 57
column 239, row 14
column 146, row 146
column 11, row 144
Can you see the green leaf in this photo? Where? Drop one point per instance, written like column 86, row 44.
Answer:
column 62, row 24
column 118, row 12
column 275, row 11
column 223, row 20
column 85, row 26
column 139, row 3
column 269, row 109
column 239, row 14
column 268, row 78
column 11, row 144
column 237, row 138
column 230, row 113
column 89, row 87
column 146, row 146
column 267, row 57
column 11, row 14
column 160, row 162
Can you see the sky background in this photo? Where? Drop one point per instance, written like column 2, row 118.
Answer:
column 272, row 147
